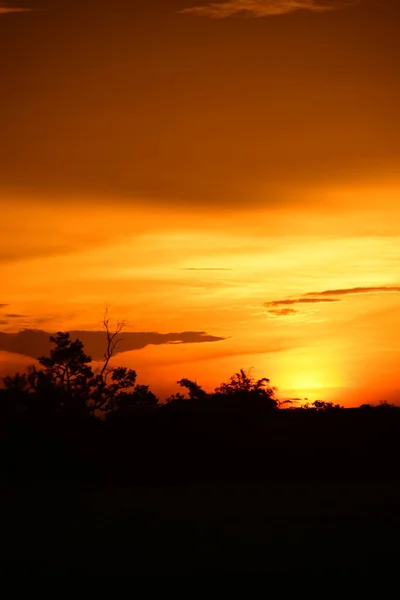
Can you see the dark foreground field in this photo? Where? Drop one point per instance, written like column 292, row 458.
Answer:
column 202, row 528
column 182, row 496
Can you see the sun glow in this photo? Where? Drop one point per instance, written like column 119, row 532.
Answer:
column 217, row 278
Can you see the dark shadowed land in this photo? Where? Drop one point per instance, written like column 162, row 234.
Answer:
column 99, row 479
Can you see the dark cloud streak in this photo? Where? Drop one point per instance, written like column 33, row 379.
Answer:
column 356, row 290
column 35, row 343
column 283, row 312
column 321, row 297
column 299, row 301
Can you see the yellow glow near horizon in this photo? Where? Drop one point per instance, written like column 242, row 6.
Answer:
column 179, row 274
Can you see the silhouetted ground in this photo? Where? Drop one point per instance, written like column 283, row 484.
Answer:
column 187, row 529
column 181, row 494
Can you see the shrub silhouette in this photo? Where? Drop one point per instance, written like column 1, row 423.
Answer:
column 243, row 388
column 321, row 406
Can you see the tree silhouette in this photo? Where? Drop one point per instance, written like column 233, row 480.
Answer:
column 61, row 386
column 196, row 392
column 66, row 375
column 178, row 397
column 112, row 341
column 108, row 392
column 139, row 399
column 17, row 383
column 66, row 384
column 385, row 405
column 15, row 396
column 243, row 387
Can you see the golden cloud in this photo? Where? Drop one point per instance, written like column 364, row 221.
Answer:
column 12, row 9
column 263, row 8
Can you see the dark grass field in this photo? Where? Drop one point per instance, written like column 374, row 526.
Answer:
column 201, row 528
column 194, row 496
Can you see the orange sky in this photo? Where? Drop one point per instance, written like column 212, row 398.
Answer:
column 196, row 173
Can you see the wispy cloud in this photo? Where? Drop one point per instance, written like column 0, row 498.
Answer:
column 324, row 297
column 289, row 302
column 205, row 269
column 3, row 305
column 283, row 312
column 263, row 8
column 5, row 9
column 357, row 290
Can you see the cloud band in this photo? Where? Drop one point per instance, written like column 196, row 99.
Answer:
column 261, row 8
column 277, row 307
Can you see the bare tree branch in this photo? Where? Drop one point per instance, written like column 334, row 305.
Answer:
column 112, row 341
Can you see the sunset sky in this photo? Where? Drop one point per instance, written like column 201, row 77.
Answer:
column 228, row 167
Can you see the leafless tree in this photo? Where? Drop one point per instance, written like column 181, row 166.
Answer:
column 113, row 338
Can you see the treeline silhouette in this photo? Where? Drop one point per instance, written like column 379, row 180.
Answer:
column 272, row 469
